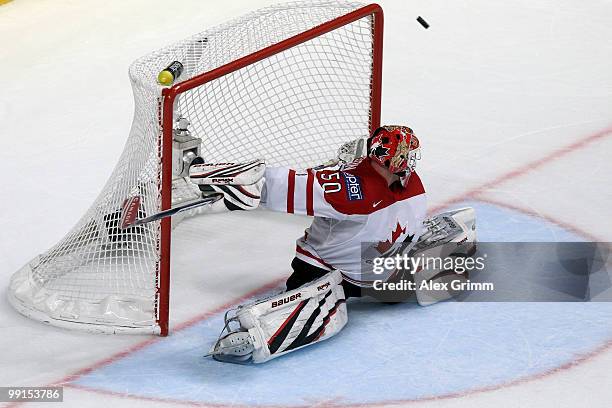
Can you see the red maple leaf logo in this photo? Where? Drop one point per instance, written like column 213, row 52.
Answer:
column 383, row 246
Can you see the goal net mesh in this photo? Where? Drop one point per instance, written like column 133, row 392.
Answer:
column 293, row 108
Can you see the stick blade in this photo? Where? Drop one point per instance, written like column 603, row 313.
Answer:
column 129, row 211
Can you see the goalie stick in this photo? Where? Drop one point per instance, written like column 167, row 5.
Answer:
column 131, row 206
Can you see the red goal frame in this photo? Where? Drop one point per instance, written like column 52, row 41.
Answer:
column 170, row 94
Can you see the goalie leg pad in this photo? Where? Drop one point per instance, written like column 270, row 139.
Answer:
column 284, row 323
column 449, row 234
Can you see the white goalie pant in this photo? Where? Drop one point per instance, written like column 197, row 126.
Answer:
column 289, row 321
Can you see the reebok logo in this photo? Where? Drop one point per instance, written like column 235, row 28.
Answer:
column 323, row 286
column 225, row 180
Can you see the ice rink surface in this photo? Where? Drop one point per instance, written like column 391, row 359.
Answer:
column 513, row 105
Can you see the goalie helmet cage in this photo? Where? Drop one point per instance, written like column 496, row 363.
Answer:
column 289, row 83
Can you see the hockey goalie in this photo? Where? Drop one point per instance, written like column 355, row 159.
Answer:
column 368, row 203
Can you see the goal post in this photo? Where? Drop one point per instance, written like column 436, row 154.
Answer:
column 169, row 96
column 289, row 83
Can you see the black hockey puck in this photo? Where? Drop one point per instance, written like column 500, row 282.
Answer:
column 422, row 21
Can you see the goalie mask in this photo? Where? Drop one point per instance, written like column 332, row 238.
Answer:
column 396, row 148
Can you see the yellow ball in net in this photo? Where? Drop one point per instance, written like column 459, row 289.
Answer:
column 165, row 78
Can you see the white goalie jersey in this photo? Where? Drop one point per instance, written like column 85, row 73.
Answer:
column 357, row 217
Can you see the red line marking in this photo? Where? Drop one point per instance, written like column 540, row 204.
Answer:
column 475, row 192
column 572, row 228
column 533, row 165
column 579, row 360
column 75, row 376
column 519, row 381
column 174, row 401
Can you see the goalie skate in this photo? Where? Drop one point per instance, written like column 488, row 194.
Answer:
column 234, row 345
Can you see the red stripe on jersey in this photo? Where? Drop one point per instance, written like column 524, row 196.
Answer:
column 309, row 188
column 290, row 191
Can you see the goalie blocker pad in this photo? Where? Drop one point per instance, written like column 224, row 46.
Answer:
column 291, row 320
column 244, row 174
